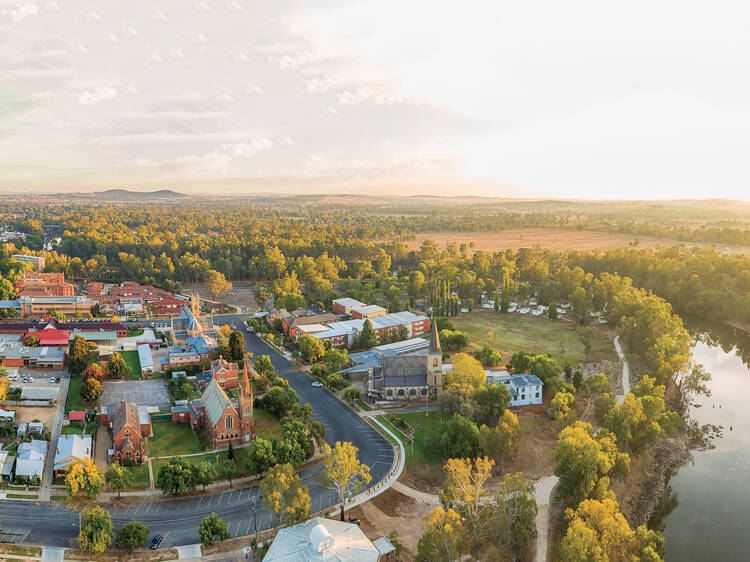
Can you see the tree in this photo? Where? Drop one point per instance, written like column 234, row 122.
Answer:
column 460, row 438
column 563, row 410
column 342, row 470
column 312, row 348
column 441, row 541
column 205, row 473
column 336, row 359
column 586, row 335
column 580, row 303
column 228, row 469
column 176, row 476
column 597, row 530
column 132, row 535
column 211, row 527
column 56, row 314
column 84, row 477
column 512, row 521
column 552, row 311
column 264, row 366
column 284, row 495
column 490, row 401
column 31, row 341
column 117, row 367
column 94, row 371
column 453, row 340
column 367, row 337
column 466, row 370
column 96, row 531
column 118, row 477
column 489, row 356
column 237, row 346
column 78, row 355
column 91, row 390
column 501, row 442
column 578, row 380
column 692, row 382
column 217, row 283
column 463, row 489
column 583, row 463
column 259, row 457
column 351, row 393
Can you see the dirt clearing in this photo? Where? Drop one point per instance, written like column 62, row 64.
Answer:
column 31, row 413
column 547, row 238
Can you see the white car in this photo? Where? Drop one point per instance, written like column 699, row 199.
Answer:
column 52, row 380
column 31, row 379
column 316, row 383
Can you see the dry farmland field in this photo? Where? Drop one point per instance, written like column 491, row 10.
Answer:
column 548, row 238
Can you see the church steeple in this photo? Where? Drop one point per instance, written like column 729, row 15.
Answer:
column 434, row 338
column 246, row 405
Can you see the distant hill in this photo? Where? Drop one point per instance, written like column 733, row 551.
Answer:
column 120, row 194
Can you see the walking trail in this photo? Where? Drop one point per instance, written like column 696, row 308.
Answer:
column 543, row 492
column 625, row 371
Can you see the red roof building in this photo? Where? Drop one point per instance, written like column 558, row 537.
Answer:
column 44, row 285
column 50, row 337
column 77, row 416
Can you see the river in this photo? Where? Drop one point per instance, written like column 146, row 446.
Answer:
column 705, row 514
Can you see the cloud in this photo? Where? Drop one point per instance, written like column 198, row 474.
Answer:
column 160, row 16
column 20, row 11
column 296, row 60
column 97, row 96
column 355, row 97
column 322, row 84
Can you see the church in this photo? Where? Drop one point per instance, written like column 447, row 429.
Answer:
column 227, row 420
column 410, row 376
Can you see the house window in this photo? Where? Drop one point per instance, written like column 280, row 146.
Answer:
column 389, row 393
column 229, row 422
column 247, row 409
column 434, row 379
column 537, row 395
column 434, row 362
column 126, row 434
column 412, row 392
column 400, row 391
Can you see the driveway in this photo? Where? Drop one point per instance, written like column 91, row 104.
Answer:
column 49, row 464
column 101, row 446
column 144, row 393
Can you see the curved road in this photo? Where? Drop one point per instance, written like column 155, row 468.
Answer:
column 53, row 524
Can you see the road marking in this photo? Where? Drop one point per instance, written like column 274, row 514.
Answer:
column 237, row 530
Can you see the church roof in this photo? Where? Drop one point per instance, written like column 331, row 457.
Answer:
column 215, row 401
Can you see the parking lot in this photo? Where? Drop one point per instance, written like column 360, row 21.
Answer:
column 144, row 393
column 34, row 378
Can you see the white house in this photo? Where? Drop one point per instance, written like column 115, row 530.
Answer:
column 70, row 449
column 524, row 389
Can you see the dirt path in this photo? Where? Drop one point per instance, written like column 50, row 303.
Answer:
column 625, row 371
column 543, row 492
column 429, row 499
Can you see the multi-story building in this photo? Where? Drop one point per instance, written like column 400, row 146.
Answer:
column 39, row 306
column 38, row 261
column 36, row 284
column 343, row 334
column 129, row 425
column 356, row 309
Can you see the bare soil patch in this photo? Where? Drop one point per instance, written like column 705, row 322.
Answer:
column 31, row 413
column 545, row 237
column 535, row 447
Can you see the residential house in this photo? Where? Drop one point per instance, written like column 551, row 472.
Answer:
column 30, row 458
column 524, row 389
column 225, row 373
column 71, row 449
column 145, row 358
column 7, row 461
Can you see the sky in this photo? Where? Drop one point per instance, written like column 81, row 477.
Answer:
column 577, row 99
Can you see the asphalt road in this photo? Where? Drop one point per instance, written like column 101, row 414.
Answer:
column 53, row 524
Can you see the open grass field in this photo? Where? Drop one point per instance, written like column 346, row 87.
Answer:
column 516, row 332
column 239, row 455
column 548, row 238
column 266, row 424
column 131, row 358
column 171, row 439
column 140, row 476
column 74, row 400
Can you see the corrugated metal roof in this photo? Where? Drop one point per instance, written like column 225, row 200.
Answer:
column 216, row 402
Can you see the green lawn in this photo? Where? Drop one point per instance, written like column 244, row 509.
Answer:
column 431, row 429
column 211, row 457
column 266, row 424
column 71, row 430
column 140, row 476
column 131, row 358
column 516, row 332
column 173, row 439
column 363, row 405
column 74, row 400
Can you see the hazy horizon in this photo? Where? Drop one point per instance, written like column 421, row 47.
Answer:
column 555, row 101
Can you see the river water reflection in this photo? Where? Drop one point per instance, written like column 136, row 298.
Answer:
column 706, row 513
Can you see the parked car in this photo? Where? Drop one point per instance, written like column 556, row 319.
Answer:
column 156, row 541
column 316, row 383
column 26, row 379
column 31, row 379
column 57, row 380
column 52, row 380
